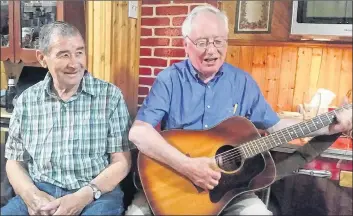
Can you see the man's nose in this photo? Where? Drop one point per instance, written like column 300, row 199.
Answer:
column 211, row 47
column 73, row 62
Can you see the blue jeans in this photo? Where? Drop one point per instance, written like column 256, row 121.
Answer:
column 108, row 204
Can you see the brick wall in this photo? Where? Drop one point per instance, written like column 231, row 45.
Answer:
column 161, row 39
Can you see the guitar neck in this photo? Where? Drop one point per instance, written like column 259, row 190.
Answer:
column 288, row 134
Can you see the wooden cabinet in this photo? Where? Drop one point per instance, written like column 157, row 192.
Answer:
column 21, row 22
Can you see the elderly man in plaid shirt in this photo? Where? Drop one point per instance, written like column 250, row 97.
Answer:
column 71, row 130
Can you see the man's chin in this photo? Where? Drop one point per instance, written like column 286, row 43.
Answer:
column 211, row 69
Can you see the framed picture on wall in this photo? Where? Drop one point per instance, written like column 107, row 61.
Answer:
column 253, row 16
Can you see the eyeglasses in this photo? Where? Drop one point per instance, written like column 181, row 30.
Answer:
column 203, row 43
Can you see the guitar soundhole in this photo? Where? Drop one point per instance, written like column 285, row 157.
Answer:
column 229, row 158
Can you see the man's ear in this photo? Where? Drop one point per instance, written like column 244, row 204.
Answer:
column 185, row 47
column 41, row 58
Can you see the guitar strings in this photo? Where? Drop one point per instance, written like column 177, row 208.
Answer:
column 260, row 141
column 229, row 155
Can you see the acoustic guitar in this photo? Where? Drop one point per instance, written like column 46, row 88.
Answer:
column 240, row 153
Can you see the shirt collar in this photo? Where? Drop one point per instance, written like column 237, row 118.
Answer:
column 196, row 75
column 87, row 84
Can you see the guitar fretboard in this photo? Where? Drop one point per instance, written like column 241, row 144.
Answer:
column 288, row 134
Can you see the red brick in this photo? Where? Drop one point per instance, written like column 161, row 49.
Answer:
column 145, row 51
column 172, row 10
column 167, row 52
column 178, row 42
column 146, row 32
column 145, row 71
column 154, row 62
column 211, row 2
column 167, row 31
column 147, row 11
column 178, row 21
column 188, row 1
column 140, row 100
column 172, row 61
column 156, row 71
column 152, row 2
column 146, row 81
column 142, row 90
column 193, row 6
column 154, row 41
column 160, row 21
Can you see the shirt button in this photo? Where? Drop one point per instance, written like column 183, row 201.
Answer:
column 208, row 106
column 208, row 86
column 206, row 126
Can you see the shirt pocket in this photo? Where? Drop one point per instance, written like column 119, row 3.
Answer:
column 90, row 134
column 230, row 109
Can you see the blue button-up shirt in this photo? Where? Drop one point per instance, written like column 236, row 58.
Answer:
column 179, row 99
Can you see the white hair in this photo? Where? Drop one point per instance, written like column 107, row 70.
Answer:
column 187, row 24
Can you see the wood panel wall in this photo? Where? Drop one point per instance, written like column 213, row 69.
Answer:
column 290, row 75
column 113, row 41
column 3, row 76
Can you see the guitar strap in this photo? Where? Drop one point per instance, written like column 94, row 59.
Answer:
column 287, row 163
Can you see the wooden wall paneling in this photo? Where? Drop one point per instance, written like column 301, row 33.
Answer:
column 334, row 62
column 125, row 53
column 273, row 72
column 258, row 70
column 121, row 47
column 89, row 35
column 98, row 42
column 107, row 25
column 316, row 59
column 133, row 54
column 3, row 76
column 301, row 94
column 333, row 71
column 330, row 70
column 113, row 47
column 281, row 20
column 233, row 55
column 345, row 78
column 246, row 58
column 287, row 79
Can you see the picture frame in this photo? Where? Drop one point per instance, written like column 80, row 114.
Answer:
column 253, row 16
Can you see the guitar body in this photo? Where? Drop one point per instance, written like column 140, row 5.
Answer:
column 170, row 193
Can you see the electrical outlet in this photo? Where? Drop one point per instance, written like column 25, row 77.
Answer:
column 133, row 8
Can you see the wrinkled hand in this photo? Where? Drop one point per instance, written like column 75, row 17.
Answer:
column 71, row 204
column 200, row 171
column 343, row 122
column 37, row 199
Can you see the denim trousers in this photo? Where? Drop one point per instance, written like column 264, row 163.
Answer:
column 108, row 204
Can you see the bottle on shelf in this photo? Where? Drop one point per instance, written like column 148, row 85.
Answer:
column 10, row 94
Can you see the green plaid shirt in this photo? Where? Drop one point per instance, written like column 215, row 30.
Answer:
column 68, row 143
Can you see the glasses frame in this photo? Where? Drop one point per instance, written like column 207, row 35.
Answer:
column 208, row 43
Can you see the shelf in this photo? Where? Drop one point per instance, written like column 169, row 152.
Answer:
column 234, row 42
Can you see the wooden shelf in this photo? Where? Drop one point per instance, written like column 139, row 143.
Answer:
column 235, row 42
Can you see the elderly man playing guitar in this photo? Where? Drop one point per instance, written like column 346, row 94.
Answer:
column 196, row 95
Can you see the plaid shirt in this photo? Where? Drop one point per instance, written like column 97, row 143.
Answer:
column 68, row 143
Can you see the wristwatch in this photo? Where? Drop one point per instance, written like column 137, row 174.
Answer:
column 96, row 192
